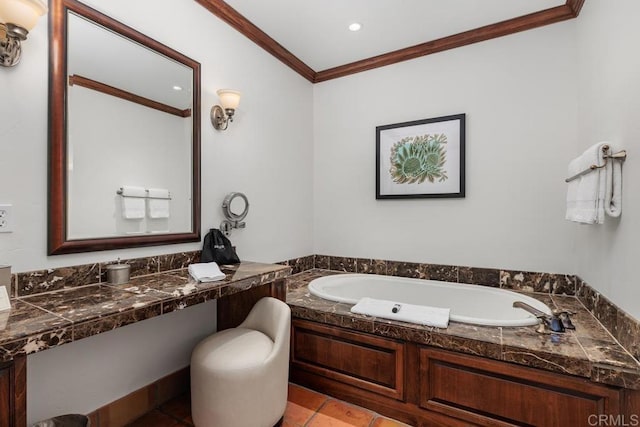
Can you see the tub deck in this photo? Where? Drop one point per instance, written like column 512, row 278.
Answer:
column 590, row 351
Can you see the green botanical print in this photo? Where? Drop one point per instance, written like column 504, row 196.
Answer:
column 419, row 158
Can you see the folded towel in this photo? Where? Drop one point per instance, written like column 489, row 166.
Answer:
column 423, row 315
column 206, row 272
column 158, row 203
column 592, row 194
column 133, row 202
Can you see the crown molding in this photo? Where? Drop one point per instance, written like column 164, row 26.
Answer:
column 571, row 9
column 232, row 17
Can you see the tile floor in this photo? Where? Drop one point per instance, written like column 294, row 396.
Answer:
column 305, row 408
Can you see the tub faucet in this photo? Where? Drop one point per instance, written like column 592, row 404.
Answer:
column 557, row 322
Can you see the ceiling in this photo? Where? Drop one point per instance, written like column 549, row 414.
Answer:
column 313, row 38
column 317, row 31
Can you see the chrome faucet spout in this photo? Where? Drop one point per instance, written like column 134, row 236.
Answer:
column 553, row 322
column 530, row 309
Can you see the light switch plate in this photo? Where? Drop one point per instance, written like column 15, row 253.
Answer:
column 5, row 304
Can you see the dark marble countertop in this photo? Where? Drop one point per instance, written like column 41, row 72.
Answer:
column 49, row 319
column 590, row 351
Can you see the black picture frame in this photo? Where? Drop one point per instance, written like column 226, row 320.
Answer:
column 421, row 159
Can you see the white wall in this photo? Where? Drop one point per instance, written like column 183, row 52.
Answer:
column 266, row 153
column 609, row 104
column 519, row 98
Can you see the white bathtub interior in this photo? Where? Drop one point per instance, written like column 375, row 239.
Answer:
column 474, row 304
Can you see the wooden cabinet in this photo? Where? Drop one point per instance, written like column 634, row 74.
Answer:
column 13, row 407
column 366, row 361
column 489, row 392
column 424, row 386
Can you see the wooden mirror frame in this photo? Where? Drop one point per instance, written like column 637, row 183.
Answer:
column 57, row 232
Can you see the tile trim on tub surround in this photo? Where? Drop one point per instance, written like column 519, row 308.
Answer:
column 624, row 327
column 54, row 279
column 551, row 283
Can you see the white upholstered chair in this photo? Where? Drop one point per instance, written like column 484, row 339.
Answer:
column 239, row 376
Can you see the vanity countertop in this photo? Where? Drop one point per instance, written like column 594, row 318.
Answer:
column 46, row 320
column 590, row 351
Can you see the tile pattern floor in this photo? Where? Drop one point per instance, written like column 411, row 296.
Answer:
column 305, row 408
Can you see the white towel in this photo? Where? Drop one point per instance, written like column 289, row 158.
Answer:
column 133, row 202
column 206, row 272
column 158, row 203
column 423, row 315
column 594, row 193
column 613, row 192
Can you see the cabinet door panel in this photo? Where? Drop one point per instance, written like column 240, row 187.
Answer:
column 5, row 397
column 366, row 361
column 461, row 385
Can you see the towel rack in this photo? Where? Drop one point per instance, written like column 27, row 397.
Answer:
column 620, row 155
column 120, row 191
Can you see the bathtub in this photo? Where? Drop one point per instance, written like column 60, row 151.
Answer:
column 479, row 305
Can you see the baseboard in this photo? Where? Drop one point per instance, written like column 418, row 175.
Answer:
column 125, row 410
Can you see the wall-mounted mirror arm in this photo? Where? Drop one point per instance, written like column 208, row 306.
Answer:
column 233, row 220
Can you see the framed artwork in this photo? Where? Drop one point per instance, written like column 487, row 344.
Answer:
column 421, row 159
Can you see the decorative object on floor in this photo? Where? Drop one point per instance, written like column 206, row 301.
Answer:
column 239, row 376
column 206, row 272
column 233, row 220
column 19, row 17
column 595, row 184
column 71, row 420
column 421, row 159
column 221, row 116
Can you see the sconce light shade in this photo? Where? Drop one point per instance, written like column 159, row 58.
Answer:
column 221, row 116
column 229, row 98
column 23, row 13
column 17, row 18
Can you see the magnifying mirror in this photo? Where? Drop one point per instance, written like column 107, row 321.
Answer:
column 235, row 208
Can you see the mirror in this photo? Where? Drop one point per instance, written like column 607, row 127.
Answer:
column 235, row 208
column 124, row 159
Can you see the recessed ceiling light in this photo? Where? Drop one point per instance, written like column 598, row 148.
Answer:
column 355, row 26
column 177, row 88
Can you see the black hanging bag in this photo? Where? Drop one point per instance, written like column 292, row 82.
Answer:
column 218, row 248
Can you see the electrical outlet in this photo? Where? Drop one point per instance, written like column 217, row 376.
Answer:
column 6, row 218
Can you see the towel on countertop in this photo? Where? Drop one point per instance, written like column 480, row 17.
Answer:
column 423, row 315
column 206, row 272
column 158, row 203
column 133, row 202
column 594, row 193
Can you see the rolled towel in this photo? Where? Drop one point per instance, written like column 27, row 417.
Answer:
column 133, row 202
column 423, row 315
column 206, row 272
column 613, row 192
column 158, row 203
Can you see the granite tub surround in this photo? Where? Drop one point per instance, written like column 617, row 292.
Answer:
column 590, row 351
column 552, row 283
column 40, row 321
column 53, row 279
column 622, row 325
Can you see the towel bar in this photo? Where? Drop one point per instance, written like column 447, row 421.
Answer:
column 143, row 197
column 621, row 155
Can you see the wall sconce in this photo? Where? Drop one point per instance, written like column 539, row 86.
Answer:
column 229, row 99
column 17, row 18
